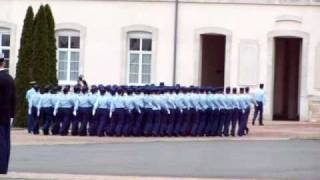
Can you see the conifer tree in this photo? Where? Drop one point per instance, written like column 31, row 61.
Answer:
column 40, row 58
column 24, row 68
column 52, row 59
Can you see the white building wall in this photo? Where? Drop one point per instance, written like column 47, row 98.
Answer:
column 104, row 43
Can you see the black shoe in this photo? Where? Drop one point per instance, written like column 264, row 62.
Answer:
column 261, row 124
column 252, row 123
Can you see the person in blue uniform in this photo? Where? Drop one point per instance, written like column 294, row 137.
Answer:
column 45, row 109
column 118, row 112
column 213, row 119
column 242, row 112
column 101, row 110
column 29, row 94
column 83, row 108
column 250, row 101
column 223, row 111
column 174, row 110
column 236, row 111
column 230, row 111
column 55, row 128
column 138, row 112
column 33, row 109
column 260, row 100
column 75, row 119
column 93, row 96
column 64, row 107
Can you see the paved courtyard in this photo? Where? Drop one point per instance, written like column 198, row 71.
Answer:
column 278, row 150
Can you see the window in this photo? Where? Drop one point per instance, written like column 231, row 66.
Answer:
column 68, row 55
column 139, row 58
column 5, row 45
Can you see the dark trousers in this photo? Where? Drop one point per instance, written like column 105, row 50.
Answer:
column 156, row 123
column 172, row 121
column 242, row 122
column 222, row 118
column 103, row 120
column 236, row 115
column 179, row 122
column 138, row 123
column 84, row 116
column 188, row 116
column 228, row 120
column 128, row 122
column 165, row 118
column 30, row 123
column 55, row 128
column 213, row 122
column 36, row 120
column 93, row 125
column 66, row 118
column 75, row 125
column 148, row 121
column 4, row 147
column 46, row 115
column 118, row 117
column 258, row 110
column 204, row 115
column 195, row 120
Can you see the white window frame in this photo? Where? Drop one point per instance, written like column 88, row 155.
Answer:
column 139, row 35
column 69, row 50
column 5, row 31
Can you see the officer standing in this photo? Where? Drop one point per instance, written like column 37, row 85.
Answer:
column 7, row 112
column 83, row 108
column 260, row 100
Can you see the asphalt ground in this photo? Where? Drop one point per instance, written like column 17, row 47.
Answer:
column 267, row 159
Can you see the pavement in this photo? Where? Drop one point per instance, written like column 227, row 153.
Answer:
column 278, row 150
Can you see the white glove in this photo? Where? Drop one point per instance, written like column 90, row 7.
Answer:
column 54, row 113
column 168, row 111
column 38, row 113
column 11, row 121
column 139, row 111
column 29, row 111
column 75, row 113
column 110, row 114
column 93, row 112
column 181, row 110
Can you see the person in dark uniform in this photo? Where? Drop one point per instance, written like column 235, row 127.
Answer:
column 82, row 82
column 7, row 111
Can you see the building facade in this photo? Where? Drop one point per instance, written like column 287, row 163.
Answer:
column 191, row 42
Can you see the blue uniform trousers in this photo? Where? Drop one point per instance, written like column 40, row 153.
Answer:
column 258, row 110
column 222, row 117
column 4, row 147
column 195, row 116
column 235, row 120
column 75, row 125
column 30, row 123
column 103, row 120
column 188, row 119
column 228, row 120
column 46, row 114
column 84, row 116
column 242, row 120
column 138, row 123
column 128, row 123
column 164, row 122
column 35, row 119
column 67, row 116
column 55, row 129
column 204, row 115
column 179, row 122
column 213, row 123
column 172, row 121
column 118, row 116
column 148, row 122
column 156, row 123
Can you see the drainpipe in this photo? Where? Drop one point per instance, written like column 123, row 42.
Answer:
column 175, row 42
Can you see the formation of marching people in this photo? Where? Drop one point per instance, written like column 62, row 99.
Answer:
column 139, row 110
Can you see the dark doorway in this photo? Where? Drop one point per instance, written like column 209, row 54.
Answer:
column 213, row 60
column 286, row 78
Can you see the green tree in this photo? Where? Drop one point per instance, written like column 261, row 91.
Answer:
column 40, row 58
column 24, row 68
column 52, row 49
